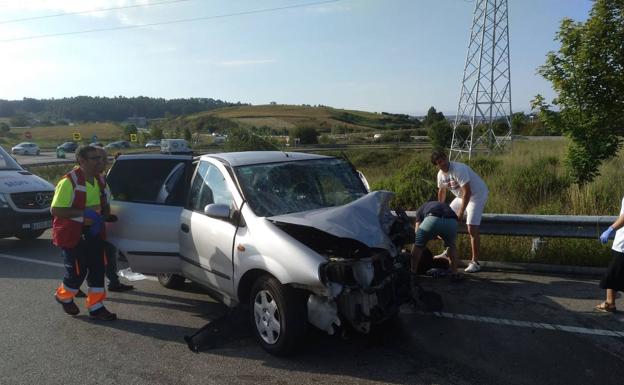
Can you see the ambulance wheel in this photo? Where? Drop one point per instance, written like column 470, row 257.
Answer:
column 29, row 235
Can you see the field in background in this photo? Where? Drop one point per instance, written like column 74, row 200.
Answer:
column 283, row 118
column 51, row 136
column 346, row 126
column 289, row 116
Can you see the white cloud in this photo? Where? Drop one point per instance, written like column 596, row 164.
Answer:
column 160, row 49
column 21, row 75
column 88, row 9
column 244, row 63
column 9, row 31
column 69, row 6
column 329, row 8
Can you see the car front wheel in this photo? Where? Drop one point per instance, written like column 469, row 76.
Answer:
column 279, row 315
column 171, row 281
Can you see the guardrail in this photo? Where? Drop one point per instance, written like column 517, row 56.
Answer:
column 555, row 226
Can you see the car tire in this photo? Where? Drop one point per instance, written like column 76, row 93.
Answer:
column 29, row 235
column 38, row 152
column 278, row 315
column 171, row 281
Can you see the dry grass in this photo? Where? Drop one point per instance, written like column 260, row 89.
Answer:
column 272, row 122
column 283, row 111
column 287, row 116
column 50, row 135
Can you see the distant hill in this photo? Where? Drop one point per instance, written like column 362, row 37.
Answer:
column 90, row 109
column 280, row 119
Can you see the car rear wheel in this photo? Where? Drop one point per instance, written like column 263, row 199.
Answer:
column 29, row 235
column 171, row 281
column 279, row 315
column 38, row 152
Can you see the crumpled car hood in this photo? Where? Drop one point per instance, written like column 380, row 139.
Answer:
column 345, row 230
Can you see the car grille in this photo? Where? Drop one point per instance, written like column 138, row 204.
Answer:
column 32, row 200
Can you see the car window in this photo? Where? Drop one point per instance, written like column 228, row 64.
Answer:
column 157, row 181
column 172, row 190
column 208, row 187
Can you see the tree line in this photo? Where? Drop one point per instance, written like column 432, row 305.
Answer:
column 89, row 108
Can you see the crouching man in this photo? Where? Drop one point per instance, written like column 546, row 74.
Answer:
column 435, row 219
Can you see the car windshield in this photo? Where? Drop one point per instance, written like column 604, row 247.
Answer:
column 290, row 187
column 7, row 162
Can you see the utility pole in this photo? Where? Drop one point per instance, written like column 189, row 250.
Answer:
column 485, row 97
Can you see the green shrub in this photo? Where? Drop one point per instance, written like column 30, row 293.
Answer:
column 484, row 166
column 326, row 139
column 306, row 134
column 241, row 139
column 440, row 134
column 413, row 184
column 50, row 173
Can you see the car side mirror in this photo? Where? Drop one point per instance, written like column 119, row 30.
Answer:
column 218, row 211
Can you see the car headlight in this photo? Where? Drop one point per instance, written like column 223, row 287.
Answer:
column 4, row 203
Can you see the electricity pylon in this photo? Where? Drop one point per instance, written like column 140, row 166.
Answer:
column 485, row 98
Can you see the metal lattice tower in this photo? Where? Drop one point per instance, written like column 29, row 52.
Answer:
column 485, row 98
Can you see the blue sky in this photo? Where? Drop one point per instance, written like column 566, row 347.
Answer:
column 399, row 56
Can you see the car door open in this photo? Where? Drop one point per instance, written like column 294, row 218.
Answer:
column 148, row 196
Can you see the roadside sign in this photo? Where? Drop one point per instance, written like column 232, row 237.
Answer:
column 28, row 135
column 76, row 135
column 94, row 138
column 133, row 137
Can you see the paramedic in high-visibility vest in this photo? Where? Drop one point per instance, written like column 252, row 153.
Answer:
column 78, row 230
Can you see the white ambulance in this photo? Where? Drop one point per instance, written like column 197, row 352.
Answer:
column 25, row 201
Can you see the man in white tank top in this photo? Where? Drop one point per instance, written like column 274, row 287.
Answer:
column 471, row 194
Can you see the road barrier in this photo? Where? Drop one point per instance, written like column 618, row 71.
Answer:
column 548, row 226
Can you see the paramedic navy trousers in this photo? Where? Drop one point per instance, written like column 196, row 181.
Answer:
column 86, row 260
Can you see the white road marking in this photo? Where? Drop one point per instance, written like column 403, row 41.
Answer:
column 22, row 259
column 524, row 324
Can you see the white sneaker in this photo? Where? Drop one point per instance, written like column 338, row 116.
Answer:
column 443, row 255
column 473, row 267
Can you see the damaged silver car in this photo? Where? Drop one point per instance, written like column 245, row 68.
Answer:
column 296, row 237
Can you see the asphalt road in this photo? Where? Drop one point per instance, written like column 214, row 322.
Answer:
column 497, row 328
column 44, row 157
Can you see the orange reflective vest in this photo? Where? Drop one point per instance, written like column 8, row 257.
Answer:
column 66, row 232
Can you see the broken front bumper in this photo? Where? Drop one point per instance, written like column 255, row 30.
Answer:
column 363, row 293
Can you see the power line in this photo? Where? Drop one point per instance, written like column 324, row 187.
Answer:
column 263, row 10
column 90, row 11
